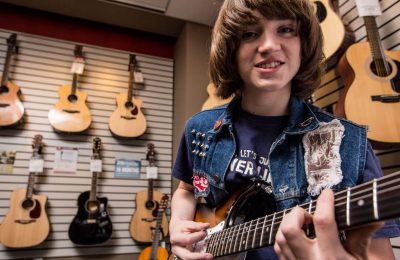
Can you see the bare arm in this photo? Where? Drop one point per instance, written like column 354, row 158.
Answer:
column 184, row 232
column 381, row 249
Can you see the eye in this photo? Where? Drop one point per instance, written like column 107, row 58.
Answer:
column 248, row 35
column 287, row 29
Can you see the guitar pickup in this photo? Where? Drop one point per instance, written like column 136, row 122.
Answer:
column 24, row 221
column 386, row 98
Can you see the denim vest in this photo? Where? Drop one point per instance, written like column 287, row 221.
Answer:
column 210, row 138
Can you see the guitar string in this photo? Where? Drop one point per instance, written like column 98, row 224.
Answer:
column 236, row 230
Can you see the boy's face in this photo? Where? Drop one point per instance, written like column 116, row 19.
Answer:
column 269, row 55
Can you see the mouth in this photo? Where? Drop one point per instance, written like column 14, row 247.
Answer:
column 269, row 65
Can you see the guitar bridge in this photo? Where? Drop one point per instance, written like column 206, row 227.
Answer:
column 148, row 219
column 4, row 105
column 128, row 117
column 71, row 111
column 386, row 98
column 24, row 221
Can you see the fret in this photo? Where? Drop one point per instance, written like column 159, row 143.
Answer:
column 241, row 238
column 348, row 207
column 235, row 248
column 230, row 235
column 375, row 199
column 248, row 234
column 218, row 245
column 262, row 230
column 255, row 234
column 223, row 242
column 309, row 212
column 234, row 235
column 272, row 228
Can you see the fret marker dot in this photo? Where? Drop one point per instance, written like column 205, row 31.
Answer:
column 360, row 203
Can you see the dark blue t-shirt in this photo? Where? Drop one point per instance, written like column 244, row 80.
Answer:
column 254, row 136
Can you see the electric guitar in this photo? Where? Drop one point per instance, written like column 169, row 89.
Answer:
column 92, row 223
column 147, row 206
column 26, row 223
column 11, row 108
column 337, row 37
column 156, row 252
column 128, row 120
column 372, row 88
column 213, row 100
column 71, row 113
column 252, row 221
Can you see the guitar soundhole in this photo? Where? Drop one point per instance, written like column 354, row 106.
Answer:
column 72, row 98
column 92, row 206
column 150, row 204
column 320, row 11
column 378, row 68
column 4, row 89
column 134, row 111
column 27, row 204
column 129, row 105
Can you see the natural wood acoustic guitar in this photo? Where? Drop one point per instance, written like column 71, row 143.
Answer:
column 337, row 36
column 11, row 108
column 372, row 88
column 156, row 252
column 26, row 223
column 71, row 114
column 213, row 100
column 92, row 223
column 143, row 221
column 128, row 119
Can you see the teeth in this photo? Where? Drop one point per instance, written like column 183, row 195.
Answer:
column 273, row 64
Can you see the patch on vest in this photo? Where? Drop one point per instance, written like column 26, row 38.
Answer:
column 322, row 158
column 200, row 183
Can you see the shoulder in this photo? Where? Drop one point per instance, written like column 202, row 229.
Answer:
column 205, row 120
column 325, row 116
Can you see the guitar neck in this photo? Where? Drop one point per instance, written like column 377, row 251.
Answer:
column 6, row 67
column 150, row 190
column 377, row 51
column 369, row 202
column 74, row 84
column 30, row 186
column 157, row 231
column 93, row 189
column 130, row 86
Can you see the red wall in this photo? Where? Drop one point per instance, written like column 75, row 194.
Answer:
column 32, row 21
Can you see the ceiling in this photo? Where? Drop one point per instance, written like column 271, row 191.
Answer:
column 166, row 17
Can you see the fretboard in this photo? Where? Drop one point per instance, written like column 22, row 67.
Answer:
column 369, row 202
column 93, row 190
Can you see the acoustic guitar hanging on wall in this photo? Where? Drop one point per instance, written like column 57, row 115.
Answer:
column 71, row 114
column 11, row 108
column 372, row 87
column 128, row 120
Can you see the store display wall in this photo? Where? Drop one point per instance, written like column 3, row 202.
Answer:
column 41, row 66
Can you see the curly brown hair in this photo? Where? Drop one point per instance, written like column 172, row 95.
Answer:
column 236, row 14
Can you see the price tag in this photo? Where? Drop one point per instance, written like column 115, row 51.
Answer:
column 36, row 165
column 151, row 172
column 138, row 76
column 368, row 8
column 96, row 165
column 77, row 66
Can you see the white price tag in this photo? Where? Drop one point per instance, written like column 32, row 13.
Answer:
column 368, row 8
column 95, row 165
column 138, row 76
column 36, row 165
column 151, row 172
column 77, row 66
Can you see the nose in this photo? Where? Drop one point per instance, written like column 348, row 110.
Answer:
column 269, row 42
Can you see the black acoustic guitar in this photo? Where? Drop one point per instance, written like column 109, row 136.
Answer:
column 92, row 223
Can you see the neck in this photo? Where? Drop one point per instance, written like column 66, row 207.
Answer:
column 266, row 104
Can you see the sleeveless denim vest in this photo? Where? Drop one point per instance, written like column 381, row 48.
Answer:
column 298, row 158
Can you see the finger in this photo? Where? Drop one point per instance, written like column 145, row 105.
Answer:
column 197, row 226
column 324, row 223
column 281, row 248
column 184, row 239
column 185, row 254
column 292, row 239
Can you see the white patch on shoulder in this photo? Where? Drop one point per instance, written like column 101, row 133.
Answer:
column 322, row 158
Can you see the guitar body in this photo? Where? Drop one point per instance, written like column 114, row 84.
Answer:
column 143, row 220
column 127, row 120
column 162, row 254
column 382, row 118
column 89, row 229
column 213, row 100
column 70, row 116
column 11, row 108
column 25, row 225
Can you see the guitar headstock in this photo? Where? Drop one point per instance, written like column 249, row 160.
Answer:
column 132, row 63
column 37, row 146
column 96, row 148
column 151, row 154
column 12, row 43
column 163, row 203
column 78, row 51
